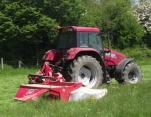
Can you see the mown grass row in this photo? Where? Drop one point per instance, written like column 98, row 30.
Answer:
column 121, row 100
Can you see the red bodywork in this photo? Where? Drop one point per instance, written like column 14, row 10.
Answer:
column 113, row 58
column 46, row 82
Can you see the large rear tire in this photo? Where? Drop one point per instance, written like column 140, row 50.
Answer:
column 131, row 74
column 87, row 70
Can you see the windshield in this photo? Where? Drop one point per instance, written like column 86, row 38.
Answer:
column 90, row 39
column 66, row 40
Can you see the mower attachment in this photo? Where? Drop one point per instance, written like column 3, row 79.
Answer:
column 54, row 84
column 31, row 92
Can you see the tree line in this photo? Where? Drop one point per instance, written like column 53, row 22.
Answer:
column 29, row 27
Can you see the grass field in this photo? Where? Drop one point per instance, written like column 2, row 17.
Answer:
column 121, row 100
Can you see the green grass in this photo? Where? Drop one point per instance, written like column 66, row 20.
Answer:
column 121, row 100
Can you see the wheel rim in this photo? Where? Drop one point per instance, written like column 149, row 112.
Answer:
column 87, row 75
column 133, row 76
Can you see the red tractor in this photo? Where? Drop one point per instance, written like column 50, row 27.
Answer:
column 81, row 56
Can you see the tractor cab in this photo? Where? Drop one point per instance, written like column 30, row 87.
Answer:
column 79, row 37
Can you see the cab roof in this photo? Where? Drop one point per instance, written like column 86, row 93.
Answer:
column 82, row 29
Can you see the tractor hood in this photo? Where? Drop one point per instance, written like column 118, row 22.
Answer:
column 113, row 57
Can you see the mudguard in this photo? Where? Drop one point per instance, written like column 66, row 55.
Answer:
column 113, row 58
column 120, row 67
column 72, row 53
column 69, row 54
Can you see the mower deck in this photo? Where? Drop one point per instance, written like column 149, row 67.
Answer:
column 31, row 92
column 55, row 86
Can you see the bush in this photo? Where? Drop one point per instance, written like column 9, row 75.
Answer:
column 137, row 53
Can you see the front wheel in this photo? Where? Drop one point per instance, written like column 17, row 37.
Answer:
column 131, row 74
column 87, row 70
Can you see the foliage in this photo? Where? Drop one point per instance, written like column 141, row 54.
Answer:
column 90, row 16
column 25, row 27
column 137, row 53
column 143, row 15
column 117, row 17
column 66, row 12
column 7, row 28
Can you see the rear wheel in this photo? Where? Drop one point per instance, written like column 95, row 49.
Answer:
column 87, row 70
column 131, row 74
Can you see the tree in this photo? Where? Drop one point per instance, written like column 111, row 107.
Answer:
column 90, row 16
column 143, row 14
column 142, row 11
column 24, row 27
column 66, row 12
column 116, row 16
column 7, row 28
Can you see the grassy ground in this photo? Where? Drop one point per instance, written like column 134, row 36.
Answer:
column 121, row 101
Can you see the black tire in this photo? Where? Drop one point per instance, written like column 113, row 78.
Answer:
column 87, row 70
column 131, row 75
